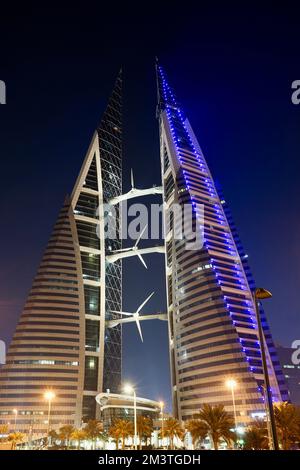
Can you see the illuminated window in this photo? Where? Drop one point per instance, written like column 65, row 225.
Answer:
column 91, row 363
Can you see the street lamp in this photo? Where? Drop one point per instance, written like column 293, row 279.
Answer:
column 130, row 390
column 49, row 395
column 258, row 294
column 15, row 412
column 231, row 384
column 161, row 404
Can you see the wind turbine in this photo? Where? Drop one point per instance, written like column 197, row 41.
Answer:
column 134, row 316
column 135, row 192
column 133, row 249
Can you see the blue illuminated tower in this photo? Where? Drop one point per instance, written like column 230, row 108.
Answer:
column 213, row 333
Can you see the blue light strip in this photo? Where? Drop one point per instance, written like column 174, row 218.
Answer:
column 172, row 107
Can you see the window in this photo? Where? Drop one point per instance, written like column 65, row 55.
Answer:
column 92, row 300
column 91, row 373
column 90, row 266
column 92, row 335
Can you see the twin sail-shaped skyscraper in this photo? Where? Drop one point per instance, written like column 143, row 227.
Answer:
column 62, row 341
column 212, row 328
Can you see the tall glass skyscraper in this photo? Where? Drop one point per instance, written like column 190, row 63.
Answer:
column 213, row 333
column 61, row 342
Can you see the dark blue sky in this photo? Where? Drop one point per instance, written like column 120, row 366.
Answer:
column 232, row 70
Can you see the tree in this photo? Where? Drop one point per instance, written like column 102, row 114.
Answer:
column 122, row 428
column 256, row 436
column 219, row 423
column 93, row 430
column 172, row 429
column 79, row 435
column 4, row 432
column 287, row 418
column 115, row 433
column 144, row 428
column 65, row 433
column 198, row 430
column 53, row 435
column 15, row 438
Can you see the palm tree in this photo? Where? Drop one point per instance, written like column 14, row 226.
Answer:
column 144, row 428
column 15, row 438
column 287, row 418
column 219, row 423
column 65, row 433
column 123, row 428
column 198, row 430
column 172, row 429
column 93, row 430
column 79, row 435
column 104, row 437
column 256, row 436
column 4, row 432
column 53, row 435
column 115, row 433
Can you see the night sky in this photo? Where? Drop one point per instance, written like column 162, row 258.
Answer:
column 232, row 70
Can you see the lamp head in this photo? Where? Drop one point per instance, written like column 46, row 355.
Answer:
column 49, row 395
column 128, row 389
column 261, row 293
column 231, row 383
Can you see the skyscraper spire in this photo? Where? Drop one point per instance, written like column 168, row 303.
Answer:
column 99, row 181
column 165, row 94
column 212, row 328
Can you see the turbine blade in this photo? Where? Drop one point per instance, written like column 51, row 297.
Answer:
column 121, row 250
column 122, row 313
column 142, row 260
column 139, row 329
column 140, row 235
column 132, row 179
column 144, row 303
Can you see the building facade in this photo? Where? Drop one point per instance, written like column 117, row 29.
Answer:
column 120, row 406
column 61, row 341
column 212, row 328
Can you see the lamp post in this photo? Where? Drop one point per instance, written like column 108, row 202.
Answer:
column 15, row 412
column 231, row 384
column 130, row 390
column 49, row 395
column 259, row 294
column 161, row 404
column 267, row 416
